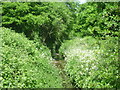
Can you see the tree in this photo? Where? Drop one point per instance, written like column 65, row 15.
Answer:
column 45, row 22
column 97, row 19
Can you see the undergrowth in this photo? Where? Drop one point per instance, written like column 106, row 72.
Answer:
column 24, row 65
column 92, row 63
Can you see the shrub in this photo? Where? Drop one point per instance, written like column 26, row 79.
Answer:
column 24, row 65
column 92, row 63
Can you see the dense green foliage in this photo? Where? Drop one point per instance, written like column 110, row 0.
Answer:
column 86, row 35
column 46, row 22
column 97, row 19
column 24, row 65
column 92, row 63
column 52, row 22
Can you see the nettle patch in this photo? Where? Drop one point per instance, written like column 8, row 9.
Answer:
column 92, row 63
column 24, row 65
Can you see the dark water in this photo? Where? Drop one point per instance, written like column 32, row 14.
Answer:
column 60, row 65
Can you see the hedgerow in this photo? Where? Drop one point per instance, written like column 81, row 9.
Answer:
column 24, row 65
column 92, row 63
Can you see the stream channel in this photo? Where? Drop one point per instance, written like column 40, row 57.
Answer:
column 65, row 79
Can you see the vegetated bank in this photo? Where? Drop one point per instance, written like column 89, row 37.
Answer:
column 53, row 23
column 24, row 65
column 92, row 63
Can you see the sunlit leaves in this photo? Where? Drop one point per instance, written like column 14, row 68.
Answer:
column 101, row 15
column 24, row 65
column 92, row 63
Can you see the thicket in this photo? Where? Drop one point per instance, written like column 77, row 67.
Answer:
column 97, row 19
column 52, row 23
column 24, row 65
column 92, row 63
column 40, row 21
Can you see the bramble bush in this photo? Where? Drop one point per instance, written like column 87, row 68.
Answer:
column 92, row 63
column 24, row 65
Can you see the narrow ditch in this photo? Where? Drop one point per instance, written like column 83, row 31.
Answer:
column 60, row 63
column 65, row 79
